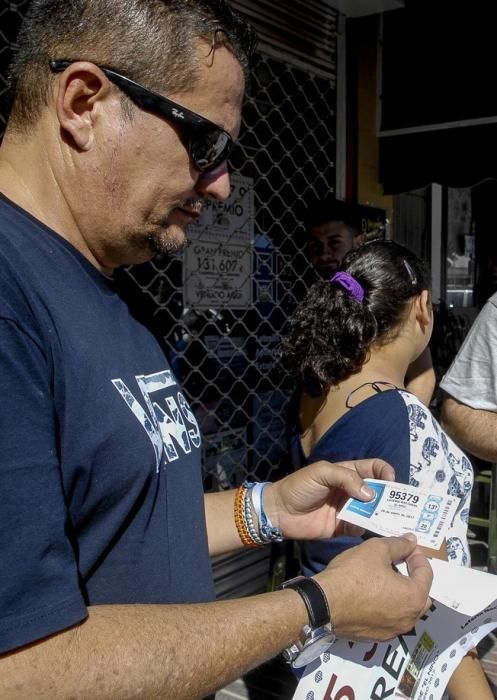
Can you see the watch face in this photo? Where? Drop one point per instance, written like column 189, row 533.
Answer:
column 319, row 642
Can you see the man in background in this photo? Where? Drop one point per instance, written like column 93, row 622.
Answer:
column 333, row 228
column 469, row 413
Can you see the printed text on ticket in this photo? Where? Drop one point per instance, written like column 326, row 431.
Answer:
column 399, row 508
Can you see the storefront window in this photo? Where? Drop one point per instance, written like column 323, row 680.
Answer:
column 460, row 251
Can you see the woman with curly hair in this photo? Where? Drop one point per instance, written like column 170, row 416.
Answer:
column 348, row 345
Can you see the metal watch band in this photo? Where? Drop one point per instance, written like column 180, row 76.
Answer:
column 314, row 598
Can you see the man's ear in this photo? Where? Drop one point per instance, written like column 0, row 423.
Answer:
column 358, row 240
column 79, row 93
column 423, row 308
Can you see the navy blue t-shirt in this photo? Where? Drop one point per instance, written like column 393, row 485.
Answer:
column 100, row 474
column 377, row 427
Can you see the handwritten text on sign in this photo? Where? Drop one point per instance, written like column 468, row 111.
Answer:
column 231, row 221
column 217, row 275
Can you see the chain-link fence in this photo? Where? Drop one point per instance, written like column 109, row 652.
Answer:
column 11, row 14
column 223, row 348
column 220, row 305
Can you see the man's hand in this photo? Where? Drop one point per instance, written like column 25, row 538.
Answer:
column 368, row 598
column 305, row 504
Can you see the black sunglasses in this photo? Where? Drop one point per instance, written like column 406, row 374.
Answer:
column 208, row 144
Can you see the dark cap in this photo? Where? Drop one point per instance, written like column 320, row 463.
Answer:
column 320, row 211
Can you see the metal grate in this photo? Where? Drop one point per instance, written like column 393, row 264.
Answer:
column 11, row 14
column 220, row 306
column 301, row 31
column 222, row 347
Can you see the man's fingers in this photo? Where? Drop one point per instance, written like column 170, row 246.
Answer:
column 420, row 572
column 342, row 476
column 381, row 470
column 349, row 476
column 372, row 469
column 349, row 529
column 400, row 548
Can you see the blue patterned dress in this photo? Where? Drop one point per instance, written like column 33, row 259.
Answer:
column 393, row 425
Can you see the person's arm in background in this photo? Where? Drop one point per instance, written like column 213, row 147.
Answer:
column 469, row 413
column 471, row 378
column 420, row 377
column 468, row 681
column 472, row 429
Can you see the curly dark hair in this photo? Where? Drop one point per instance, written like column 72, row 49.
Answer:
column 150, row 41
column 329, row 336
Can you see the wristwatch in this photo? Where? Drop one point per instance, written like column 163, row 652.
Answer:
column 314, row 642
column 319, row 635
column 314, row 598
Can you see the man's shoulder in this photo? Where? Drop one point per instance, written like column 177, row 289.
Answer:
column 492, row 301
column 19, row 235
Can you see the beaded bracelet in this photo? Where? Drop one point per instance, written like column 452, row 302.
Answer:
column 246, row 536
column 250, row 495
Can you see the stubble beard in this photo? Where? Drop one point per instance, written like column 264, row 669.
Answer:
column 168, row 242
column 173, row 239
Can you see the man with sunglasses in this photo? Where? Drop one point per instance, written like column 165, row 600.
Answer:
column 122, row 119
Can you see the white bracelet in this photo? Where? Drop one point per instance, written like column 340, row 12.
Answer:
column 267, row 531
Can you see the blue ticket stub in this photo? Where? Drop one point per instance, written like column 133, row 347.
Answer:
column 367, row 509
column 397, row 509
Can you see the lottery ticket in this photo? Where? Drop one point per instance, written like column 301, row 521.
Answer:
column 399, row 508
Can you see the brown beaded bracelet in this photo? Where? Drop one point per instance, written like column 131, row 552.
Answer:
column 240, row 520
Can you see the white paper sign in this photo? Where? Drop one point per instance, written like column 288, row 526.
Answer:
column 217, row 275
column 231, row 221
column 399, row 508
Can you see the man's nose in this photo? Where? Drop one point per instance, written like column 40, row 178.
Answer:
column 328, row 253
column 215, row 183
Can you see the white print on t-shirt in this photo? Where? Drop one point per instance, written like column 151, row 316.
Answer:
column 168, row 427
column 438, row 465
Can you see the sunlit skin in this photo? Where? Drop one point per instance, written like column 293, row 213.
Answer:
column 328, row 243
column 121, row 190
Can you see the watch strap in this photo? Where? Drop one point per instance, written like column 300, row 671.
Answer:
column 314, row 598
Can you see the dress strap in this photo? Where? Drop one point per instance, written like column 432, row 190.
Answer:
column 376, row 386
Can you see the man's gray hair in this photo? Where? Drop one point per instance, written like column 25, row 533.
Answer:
column 150, row 41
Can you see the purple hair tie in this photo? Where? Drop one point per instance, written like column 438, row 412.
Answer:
column 350, row 284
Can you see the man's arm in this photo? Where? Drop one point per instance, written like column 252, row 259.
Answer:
column 473, row 429
column 303, row 504
column 187, row 651
column 221, row 529
column 420, row 377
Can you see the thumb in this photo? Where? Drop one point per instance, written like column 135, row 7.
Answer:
column 420, row 572
column 400, row 548
column 342, row 476
column 418, row 566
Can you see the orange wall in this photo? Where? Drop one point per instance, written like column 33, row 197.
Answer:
column 364, row 43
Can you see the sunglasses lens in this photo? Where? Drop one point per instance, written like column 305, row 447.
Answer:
column 209, row 148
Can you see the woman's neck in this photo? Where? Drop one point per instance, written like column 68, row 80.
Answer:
column 385, row 364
